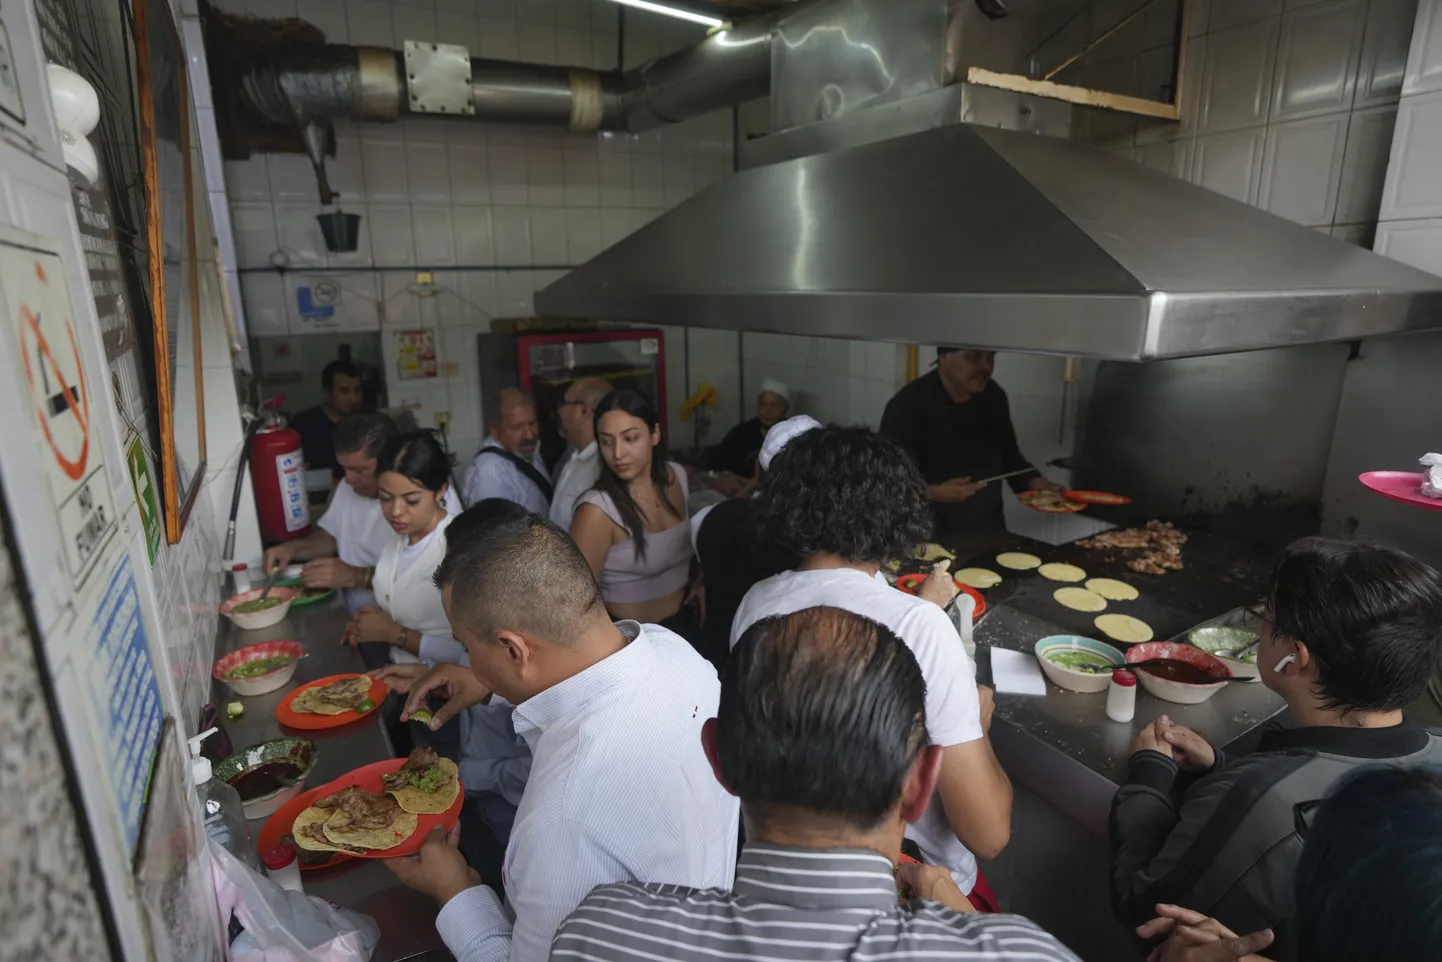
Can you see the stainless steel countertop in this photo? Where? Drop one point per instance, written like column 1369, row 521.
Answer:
column 406, row 918
column 1063, row 746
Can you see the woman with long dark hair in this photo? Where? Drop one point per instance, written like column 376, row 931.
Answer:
column 632, row 526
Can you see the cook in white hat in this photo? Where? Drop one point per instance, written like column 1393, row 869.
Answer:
column 737, row 452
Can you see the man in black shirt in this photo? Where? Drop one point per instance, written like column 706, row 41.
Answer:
column 956, row 423
column 342, row 393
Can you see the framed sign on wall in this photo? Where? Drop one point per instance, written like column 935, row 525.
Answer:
column 171, row 275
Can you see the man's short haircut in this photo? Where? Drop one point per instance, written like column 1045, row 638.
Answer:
column 848, row 491
column 328, row 373
column 368, row 432
column 512, row 395
column 1371, row 616
column 822, row 711
column 516, row 571
column 1369, row 880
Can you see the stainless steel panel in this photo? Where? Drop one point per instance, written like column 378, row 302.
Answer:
column 846, row 55
column 1245, row 436
column 970, row 235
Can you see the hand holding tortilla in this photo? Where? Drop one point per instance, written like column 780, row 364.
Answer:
column 939, row 587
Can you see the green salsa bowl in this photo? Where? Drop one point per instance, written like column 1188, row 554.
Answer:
column 1064, row 659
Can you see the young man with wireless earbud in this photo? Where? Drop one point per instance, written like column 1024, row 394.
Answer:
column 1350, row 634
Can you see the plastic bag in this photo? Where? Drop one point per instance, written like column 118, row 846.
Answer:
column 285, row 926
column 1432, row 480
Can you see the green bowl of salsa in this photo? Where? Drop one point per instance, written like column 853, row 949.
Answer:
column 1076, row 663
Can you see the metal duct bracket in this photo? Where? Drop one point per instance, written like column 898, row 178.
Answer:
column 438, row 78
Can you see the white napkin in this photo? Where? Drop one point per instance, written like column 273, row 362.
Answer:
column 1016, row 673
column 1432, row 480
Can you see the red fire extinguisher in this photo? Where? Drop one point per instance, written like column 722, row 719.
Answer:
column 277, row 473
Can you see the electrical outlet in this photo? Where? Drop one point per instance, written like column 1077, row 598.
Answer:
column 443, row 421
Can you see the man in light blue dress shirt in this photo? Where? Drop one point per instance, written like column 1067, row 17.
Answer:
column 619, row 786
column 509, row 463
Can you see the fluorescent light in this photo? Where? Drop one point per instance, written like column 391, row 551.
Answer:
column 678, row 12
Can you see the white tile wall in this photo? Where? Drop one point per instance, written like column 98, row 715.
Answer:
column 1387, row 418
column 506, row 202
column 1288, row 105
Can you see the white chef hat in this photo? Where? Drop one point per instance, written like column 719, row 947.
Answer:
column 783, row 433
column 776, row 387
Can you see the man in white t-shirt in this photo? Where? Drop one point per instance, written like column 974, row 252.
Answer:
column 848, row 500
column 342, row 550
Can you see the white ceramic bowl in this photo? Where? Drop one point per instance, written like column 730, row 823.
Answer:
column 259, row 684
column 1247, row 670
column 250, row 621
column 1179, row 692
column 1086, row 682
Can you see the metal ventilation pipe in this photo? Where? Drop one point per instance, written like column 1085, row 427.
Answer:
column 314, row 84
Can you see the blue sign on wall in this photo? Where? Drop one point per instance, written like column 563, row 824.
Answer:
column 125, row 693
column 316, row 302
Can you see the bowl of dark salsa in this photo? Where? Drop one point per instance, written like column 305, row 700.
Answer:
column 269, row 774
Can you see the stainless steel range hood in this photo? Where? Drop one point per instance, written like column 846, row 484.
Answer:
column 996, row 239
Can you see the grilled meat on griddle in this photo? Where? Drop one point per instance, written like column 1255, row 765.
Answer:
column 421, row 759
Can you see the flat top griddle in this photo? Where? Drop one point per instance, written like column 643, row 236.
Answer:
column 1220, row 574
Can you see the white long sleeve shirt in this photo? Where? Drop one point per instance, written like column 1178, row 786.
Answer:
column 619, row 789
column 578, row 475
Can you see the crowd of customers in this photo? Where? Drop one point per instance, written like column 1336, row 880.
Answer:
column 727, row 737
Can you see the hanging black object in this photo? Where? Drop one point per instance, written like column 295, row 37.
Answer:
column 341, row 230
column 995, row 9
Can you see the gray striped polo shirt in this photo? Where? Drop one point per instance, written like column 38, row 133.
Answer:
column 792, row 904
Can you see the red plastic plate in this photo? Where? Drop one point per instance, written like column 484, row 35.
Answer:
column 367, row 777
column 309, row 721
column 1089, row 497
column 910, row 583
column 1404, row 486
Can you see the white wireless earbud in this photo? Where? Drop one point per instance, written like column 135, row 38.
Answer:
column 1284, row 661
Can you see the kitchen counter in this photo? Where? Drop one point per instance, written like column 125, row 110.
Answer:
column 1065, row 758
column 406, row 918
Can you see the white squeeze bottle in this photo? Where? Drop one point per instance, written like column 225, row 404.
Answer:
column 220, row 807
column 1122, row 696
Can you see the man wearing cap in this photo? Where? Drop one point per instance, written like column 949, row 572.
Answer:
column 956, row 423
column 737, row 452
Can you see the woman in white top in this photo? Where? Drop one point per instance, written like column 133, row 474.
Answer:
column 414, row 472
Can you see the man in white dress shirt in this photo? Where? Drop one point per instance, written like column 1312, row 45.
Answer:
column 619, row 786
column 509, row 464
column 582, row 466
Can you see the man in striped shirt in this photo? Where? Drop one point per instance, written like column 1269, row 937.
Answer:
column 821, row 731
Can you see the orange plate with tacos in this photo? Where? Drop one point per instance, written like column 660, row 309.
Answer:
column 1088, row 497
column 1049, row 502
column 912, row 583
column 291, row 715
column 367, row 778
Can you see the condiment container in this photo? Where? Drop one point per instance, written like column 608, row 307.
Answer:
column 240, row 579
column 1122, row 696
column 283, row 867
column 220, row 807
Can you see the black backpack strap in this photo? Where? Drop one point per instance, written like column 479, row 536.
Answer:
column 526, row 468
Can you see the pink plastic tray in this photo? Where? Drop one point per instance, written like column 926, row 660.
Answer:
column 1404, row 486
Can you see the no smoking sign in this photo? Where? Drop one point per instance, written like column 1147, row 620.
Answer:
column 37, row 304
